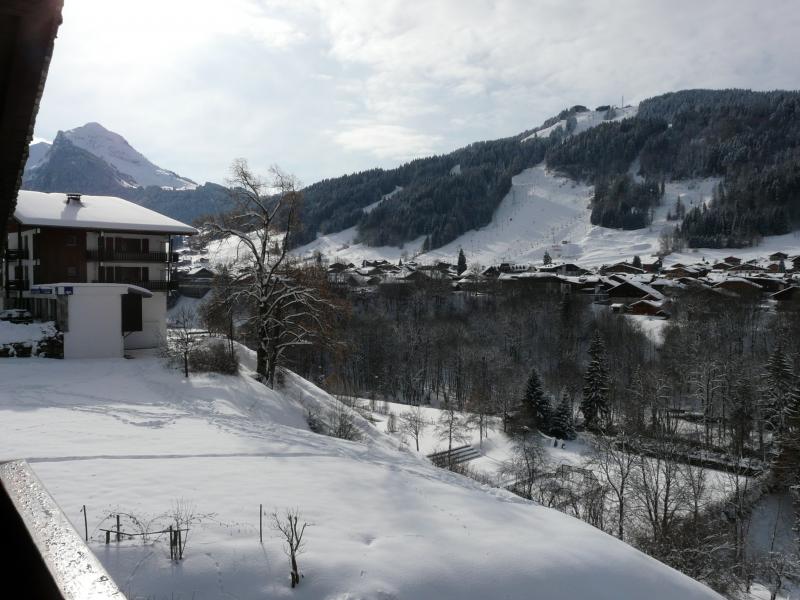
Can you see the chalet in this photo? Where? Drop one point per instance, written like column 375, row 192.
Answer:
column 721, row 265
column 621, row 267
column 73, row 239
column 789, row 297
column 537, row 284
column 748, row 267
column 767, row 283
column 676, row 271
column 795, row 260
column 738, row 286
column 649, row 308
column 778, row 256
column 732, row 260
column 564, row 269
column 633, row 290
column 653, row 267
column 196, row 281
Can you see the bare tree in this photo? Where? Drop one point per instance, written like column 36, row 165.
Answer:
column 527, row 462
column 615, row 463
column 413, row 423
column 452, row 427
column 286, row 310
column 181, row 339
column 287, row 525
column 659, row 488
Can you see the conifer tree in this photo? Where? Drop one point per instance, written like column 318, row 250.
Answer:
column 462, row 261
column 595, row 390
column 778, row 384
column 787, row 462
column 547, row 259
column 536, row 406
column 637, row 262
column 562, row 425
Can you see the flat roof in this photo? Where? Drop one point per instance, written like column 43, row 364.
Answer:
column 93, row 212
column 69, row 289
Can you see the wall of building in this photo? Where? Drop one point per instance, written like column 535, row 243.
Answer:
column 154, row 323
column 94, row 325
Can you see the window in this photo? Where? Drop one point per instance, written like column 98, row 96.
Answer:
column 72, row 240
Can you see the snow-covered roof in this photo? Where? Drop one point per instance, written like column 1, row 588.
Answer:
column 93, row 212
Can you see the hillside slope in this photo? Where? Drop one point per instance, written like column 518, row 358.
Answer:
column 384, row 523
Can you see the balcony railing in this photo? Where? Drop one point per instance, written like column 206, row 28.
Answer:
column 115, row 256
column 154, row 285
column 17, row 285
column 17, row 254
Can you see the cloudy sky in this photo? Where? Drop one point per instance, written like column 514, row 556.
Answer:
column 325, row 87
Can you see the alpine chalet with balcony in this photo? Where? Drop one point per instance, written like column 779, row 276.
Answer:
column 56, row 238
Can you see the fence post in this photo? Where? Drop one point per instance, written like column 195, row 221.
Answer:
column 171, row 544
column 180, row 543
column 260, row 523
column 118, row 529
column 108, row 537
column 85, row 524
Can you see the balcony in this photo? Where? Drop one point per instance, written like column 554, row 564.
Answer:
column 139, row 257
column 17, row 285
column 17, row 254
column 154, row 285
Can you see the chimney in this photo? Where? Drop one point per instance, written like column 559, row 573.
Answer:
column 73, row 198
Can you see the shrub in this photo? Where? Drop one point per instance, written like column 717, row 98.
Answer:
column 214, row 357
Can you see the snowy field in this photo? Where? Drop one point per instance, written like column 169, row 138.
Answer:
column 132, row 437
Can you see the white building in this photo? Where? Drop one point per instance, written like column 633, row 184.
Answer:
column 61, row 241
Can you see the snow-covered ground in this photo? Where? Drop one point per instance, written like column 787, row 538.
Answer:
column 497, row 447
column 130, row 436
column 547, row 212
column 586, row 120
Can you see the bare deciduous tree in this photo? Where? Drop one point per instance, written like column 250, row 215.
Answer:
column 286, row 310
column 452, row 428
column 413, row 423
column 615, row 464
column 527, row 462
column 287, row 525
column 181, row 339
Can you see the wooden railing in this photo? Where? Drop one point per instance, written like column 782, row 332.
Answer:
column 115, row 256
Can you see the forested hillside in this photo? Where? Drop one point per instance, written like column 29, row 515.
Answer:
column 441, row 196
column 750, row 139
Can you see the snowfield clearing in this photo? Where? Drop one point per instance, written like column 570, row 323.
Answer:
column 130, row 436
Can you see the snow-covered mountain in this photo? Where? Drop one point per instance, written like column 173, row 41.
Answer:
column 117, row 152
column 93, row 160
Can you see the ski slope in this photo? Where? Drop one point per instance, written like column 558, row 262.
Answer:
column 585, row 120
column 131, row 437
column 545, row 211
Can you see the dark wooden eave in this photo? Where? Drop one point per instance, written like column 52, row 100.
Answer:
column 28, row 30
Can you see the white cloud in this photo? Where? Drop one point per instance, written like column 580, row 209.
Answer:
column 194, row 83
column 385, row 140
